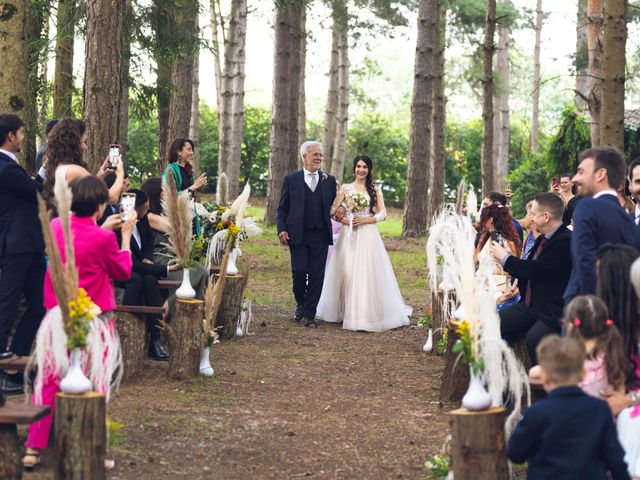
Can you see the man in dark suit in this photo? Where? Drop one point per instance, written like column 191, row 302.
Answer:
column 542, row 277
column 142, row 288
column 568, row 435
column 634, row 188
column 22, row 264
column 304, row 225
column 598, row 217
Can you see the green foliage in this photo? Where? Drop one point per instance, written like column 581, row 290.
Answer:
column 208, row 145
column 527, row 180
column 572, row 137
column 438, row 466
column 142, row 152
column 254, row 164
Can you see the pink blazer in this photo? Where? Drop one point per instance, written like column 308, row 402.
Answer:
column 99, row 260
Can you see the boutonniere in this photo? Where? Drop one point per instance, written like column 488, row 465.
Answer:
column 324, row 177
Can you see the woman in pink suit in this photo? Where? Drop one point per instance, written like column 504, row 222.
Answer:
column 99, row 260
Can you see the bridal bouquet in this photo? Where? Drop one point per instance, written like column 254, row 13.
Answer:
column 356, row 202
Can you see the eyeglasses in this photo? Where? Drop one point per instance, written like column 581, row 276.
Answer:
column 315, row 155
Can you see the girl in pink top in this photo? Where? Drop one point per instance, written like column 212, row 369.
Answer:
column 99, row 260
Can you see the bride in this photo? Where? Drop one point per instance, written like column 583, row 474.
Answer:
column 360, row 288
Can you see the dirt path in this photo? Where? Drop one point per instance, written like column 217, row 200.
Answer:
column 288, row 402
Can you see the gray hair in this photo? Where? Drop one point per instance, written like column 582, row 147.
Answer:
column 308, row 144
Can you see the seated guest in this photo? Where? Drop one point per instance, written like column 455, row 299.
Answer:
column 569, row 434
column 496, row 223
column 497, row 198
column 542, row 277
column 198, row 276
column 143, row 288
column 634, row 189
column 527, row 223
column 99, row 260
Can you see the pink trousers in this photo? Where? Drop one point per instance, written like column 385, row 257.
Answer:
column 38, row 437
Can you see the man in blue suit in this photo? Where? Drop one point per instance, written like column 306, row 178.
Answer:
column 304, row 225
column 22, row 264
column 598, row 217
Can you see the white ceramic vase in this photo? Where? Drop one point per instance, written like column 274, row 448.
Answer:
column 232, row 269
column 205, row 365
column 239, row 332
column 428, row 346
column 186, row 291
column 477, row 398
column 75, row 381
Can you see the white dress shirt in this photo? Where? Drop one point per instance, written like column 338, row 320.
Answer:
column 307, row 178
column 637, row 215
column 609, row 191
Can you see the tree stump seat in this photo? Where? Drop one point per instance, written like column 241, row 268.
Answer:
column 11, row 415
column 186, row 339
column 14, row 363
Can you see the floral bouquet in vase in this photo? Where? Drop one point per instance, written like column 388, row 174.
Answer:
column 355, row 202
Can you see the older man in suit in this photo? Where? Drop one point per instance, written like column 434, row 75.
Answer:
column 304, row 225
column 542, row 277
column 598, row 217
column 22, row 264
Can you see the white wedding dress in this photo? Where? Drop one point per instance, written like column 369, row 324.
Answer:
column 360, row 288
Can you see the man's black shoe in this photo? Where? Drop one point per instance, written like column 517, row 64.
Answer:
column 299, row 313
column 5, row 355
column 12, row 384
column 310, row 322
column 157, row 351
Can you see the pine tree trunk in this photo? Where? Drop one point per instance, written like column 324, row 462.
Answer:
column 502, row 160
column 594, row 43
column 535, row 93
column 342, row 117
column 414, row 222
column 123, row 137
column 302, row 108
column 614, row 44
column 437, row 170
column 331, row 108
column 488, row 49
column 582, row 57
column 103, row 77
column 163, row 92
column 67, row 17
column 186, row 13
column 14, row 47
column 194, row 125
column 216, row 26
column 283, row 155
column 231, row 112
column 44, row 83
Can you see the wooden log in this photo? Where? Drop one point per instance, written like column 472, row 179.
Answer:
column 186, row 339
column 455, row 376
column 479, row 450
column 81, row 436
column 231, row 305
column 133, row 342
column 10, row 464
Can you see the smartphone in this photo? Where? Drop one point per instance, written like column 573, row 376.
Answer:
column 555, row 183
column 114, row 155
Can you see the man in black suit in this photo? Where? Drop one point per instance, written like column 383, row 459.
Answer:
column 304, row 225
column 542, row 277
column 634, row 188
column 22, row 264
column 142, row 288
column 598, row 217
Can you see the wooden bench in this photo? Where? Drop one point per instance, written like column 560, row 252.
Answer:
column 169, row 284
column 14, row 363
column 12, row 414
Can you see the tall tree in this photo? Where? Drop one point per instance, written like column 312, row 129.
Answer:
column 231, row 111
column 342, row 114
column 331, row 108
column 67, row 17
column 13, row 88
column 488, row 49
column 163, row 27
column 194, row 124
column 594, row 45
column 614, row 44
column 535, row 95
column 103, row 77
column 501, row 135
column 283, row 154
column 415, row 210
column 185, row 14
column 437, row 172
column 123, row 136
column 302, row 109
column 582, row 57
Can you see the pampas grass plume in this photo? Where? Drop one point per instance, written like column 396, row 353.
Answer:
column 179, row 215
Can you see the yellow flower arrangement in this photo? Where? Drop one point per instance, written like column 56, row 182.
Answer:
column 467, row 347
column 81, row 311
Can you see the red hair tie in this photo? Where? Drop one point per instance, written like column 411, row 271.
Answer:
column 608, row 322
column 577, row 322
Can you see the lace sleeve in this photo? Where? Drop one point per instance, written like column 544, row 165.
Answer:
column 338, row 201
column 381, row 211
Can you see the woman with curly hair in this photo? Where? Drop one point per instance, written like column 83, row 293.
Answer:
column 65, row 149
column 496, row 223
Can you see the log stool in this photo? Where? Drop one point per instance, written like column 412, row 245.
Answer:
column 186, row 339
column 479, row 450
column 231, row 304
column 455, row 376
column 12, row 414
column 81, row 436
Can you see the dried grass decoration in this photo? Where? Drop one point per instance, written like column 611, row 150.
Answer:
column 75, row 323
column 179, row 215
column 451, row 238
